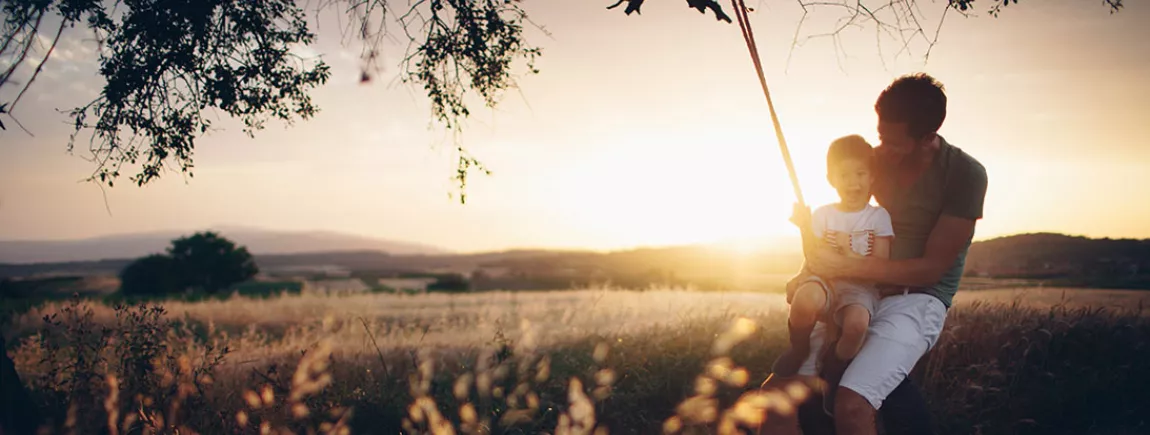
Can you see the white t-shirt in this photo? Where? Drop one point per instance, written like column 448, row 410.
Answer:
column 863, row 226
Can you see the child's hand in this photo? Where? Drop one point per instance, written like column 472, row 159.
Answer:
column 801, row 216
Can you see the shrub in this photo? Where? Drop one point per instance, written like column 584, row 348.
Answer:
column 129, row 377
column 208, row 262
column 150, row 276
column 202, row 262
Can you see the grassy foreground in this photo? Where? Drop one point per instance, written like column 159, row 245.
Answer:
column 558, row 362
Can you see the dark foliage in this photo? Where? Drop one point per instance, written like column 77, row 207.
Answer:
column 1066, row 260
column 205, row 261
column 153, row 275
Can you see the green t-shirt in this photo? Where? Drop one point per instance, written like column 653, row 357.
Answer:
column 954, row 185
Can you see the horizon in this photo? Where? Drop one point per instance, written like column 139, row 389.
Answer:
column 738, row 246
column 604, row 158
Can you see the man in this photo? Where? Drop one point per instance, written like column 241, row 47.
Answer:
column 934, row 192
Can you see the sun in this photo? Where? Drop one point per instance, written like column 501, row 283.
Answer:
column 679, row 191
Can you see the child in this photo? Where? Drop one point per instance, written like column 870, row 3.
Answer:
column 855, row 228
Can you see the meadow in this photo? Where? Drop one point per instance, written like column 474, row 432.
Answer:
column 1030, row 360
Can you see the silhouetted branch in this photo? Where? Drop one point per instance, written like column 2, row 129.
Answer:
column 701, row 5
column 39, row 67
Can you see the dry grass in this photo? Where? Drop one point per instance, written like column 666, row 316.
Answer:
column 435, row 321
column 582, row 362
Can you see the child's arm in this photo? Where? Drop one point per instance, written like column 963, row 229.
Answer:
column 803, row 219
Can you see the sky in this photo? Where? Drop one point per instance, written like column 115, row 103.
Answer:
column 642, row 130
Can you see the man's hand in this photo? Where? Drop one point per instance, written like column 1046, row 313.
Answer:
column 829, row 264
column 949, row 237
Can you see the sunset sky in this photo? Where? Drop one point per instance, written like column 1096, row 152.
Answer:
column 640, row 130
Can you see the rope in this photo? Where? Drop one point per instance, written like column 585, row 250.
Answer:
column 749, row 37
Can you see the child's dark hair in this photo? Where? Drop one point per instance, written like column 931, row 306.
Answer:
column 852, row 147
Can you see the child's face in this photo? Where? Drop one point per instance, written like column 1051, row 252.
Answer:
column 852, row 178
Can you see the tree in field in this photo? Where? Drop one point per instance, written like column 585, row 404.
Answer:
column 169, row 66
column 200, row 262
column 154, row 275
column 205, row 261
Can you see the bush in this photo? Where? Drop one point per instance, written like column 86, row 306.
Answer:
column 203, row 262
column 130, row 375
column 450, row 283
column 153, row 275
column 208, row 262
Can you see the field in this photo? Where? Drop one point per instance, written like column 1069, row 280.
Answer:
column 1033, row 360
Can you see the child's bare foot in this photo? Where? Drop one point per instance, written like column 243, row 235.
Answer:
column 792, row 360
column 789, row 363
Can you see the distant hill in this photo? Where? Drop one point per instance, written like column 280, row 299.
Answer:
column 256, row 240
column 1054, row 258
column 1071, row 260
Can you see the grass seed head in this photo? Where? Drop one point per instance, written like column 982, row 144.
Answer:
column 253, row 399
column 600, row 353
column 705, row 386
column 605, row 377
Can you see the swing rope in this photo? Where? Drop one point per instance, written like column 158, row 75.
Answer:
column 749, row 37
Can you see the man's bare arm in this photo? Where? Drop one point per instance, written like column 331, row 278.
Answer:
column 882, row 247
column 949, row 236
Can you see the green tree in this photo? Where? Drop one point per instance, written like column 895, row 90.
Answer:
column 153, row 275
column 205, row 261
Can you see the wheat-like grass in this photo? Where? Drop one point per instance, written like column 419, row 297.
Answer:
column 549, row 362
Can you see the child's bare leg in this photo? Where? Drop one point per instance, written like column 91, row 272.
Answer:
column 855, row 320
column 809, row 302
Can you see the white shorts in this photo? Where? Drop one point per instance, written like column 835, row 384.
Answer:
column 903, row 329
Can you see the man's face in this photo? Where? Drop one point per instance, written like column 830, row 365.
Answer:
column 895, row 139
column 852, row 178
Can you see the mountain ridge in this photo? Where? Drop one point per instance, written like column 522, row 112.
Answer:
column 258, row 241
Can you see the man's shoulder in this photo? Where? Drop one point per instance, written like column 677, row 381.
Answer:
column 961, row 162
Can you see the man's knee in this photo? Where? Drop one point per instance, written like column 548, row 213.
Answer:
column 852, row 406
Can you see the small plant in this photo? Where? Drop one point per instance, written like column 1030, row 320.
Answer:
column 141, row 367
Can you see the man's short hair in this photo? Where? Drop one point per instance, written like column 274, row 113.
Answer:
column 852, row 147
column 916, row 99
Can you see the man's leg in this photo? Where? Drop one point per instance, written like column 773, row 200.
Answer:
column 853, row 414
column 813, row 419
column 904, row 411
column 903, row 328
